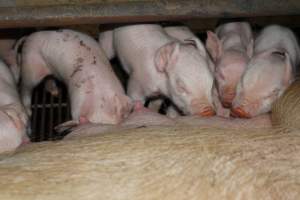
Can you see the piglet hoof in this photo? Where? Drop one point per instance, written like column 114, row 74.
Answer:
column 139, row 107
column 51, row 87
column 66, row 127
column 25, row 141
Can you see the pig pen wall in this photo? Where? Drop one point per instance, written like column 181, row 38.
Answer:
column 21, row 17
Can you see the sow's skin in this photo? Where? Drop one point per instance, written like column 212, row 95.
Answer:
column 175, row 162
column 286, row 109
column 230, row 47
column 270, row 71
column 159, row 64
column 95, row 92
column 13, row 120
column 167, row 163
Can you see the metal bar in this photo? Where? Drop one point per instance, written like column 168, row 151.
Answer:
column 68, row 108
column 34, row 124
column 43, row 118
column 51, row 119
column 50, row 105
column 142, row 11
column 61, row 2
column 60, row 105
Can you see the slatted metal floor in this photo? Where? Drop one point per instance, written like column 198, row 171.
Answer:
column 48, row 111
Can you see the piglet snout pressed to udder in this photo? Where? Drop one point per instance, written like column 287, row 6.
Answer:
column 231, row 47
column 239, row 112
column 270, row 71
column 207, row 112
column 159, row 64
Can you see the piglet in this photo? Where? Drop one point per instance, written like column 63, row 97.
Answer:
column 161, row 65
column 183, row 33
column 13, row 119
column 270, row 71
column 230, row 47
column 95, row 92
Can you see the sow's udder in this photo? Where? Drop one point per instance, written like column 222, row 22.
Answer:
column 143, row 119
column 263, row 121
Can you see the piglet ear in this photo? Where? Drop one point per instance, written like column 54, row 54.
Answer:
column 197, row 43
column 12, row 59
column 213, row 45
column 289, row 71
column 166, row 56
column 288, row 76
column 106, row 42
column 211, row 65
column 250, row 48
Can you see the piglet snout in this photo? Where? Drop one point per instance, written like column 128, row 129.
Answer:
column 207, row 112
column 227, row 99
column 239, row 112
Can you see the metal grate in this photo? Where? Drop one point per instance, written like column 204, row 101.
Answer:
column 48, row 111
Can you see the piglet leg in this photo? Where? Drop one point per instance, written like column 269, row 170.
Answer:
column 51, row 87
column 69, row 126
column 66, row 127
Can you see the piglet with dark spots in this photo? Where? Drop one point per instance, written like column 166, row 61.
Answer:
column 82, row 65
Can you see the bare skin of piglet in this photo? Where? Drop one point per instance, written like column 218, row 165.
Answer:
column 269, row 73
column 13, row 119
column 96, row 94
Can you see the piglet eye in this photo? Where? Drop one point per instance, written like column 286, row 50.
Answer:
column 180, row 86
column 273, row 94
column 280, row 54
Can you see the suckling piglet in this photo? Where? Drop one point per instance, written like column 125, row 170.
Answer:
column 95, row 92
column 183, row 33
column 13, row 119
column 159, row 64
column 270, row 71
column 231, row 47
